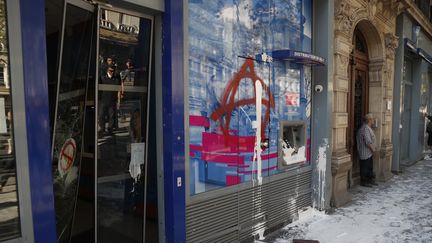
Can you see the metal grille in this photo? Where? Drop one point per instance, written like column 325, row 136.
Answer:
column 240, row 216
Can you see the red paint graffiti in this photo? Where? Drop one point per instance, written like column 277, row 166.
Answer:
column 228, row 102
column 67, row 154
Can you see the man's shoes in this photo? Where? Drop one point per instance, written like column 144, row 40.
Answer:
column 373, row 183
column 366, row 184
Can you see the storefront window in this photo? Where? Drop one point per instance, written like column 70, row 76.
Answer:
column 227, row 43
column 9, row 211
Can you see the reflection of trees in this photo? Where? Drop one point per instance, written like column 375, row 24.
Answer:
column 3, row 37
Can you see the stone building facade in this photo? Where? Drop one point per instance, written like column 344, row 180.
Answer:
column 364, row 35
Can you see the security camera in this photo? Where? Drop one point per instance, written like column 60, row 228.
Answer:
column 319, row 88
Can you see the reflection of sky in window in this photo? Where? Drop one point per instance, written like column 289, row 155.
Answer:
column 229, row 14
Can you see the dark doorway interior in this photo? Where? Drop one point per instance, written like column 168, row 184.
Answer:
column 358, row 98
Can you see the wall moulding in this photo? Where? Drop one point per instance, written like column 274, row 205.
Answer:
column 388, row 118
column 376, row 64
column 341, row 84
column 339, row 140
column 343, row 45
column 378, row 12
column 340, row 102
column 391, row 42
column 342, row 59
column 341, row 119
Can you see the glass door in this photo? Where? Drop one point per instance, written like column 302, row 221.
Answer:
column 73, row 77
column 121, row 122
column 101, row 125
column 406, row 112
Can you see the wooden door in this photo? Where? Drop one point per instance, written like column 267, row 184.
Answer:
column 358, row 96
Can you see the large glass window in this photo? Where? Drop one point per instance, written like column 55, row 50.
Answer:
column 9, row 211
column 226, row 40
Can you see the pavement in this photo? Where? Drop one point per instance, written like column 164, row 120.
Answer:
column 399, row 210
column 9, row 216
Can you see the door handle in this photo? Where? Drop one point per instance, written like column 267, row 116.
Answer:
column 265, row 143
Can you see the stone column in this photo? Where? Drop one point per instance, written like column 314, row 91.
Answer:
column 383, row 167
column 341, row 160
column 378, row 107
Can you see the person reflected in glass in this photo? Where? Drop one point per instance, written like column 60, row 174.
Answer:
column 132, row 75
column 108, row 102
column 109, row 62
column 127, row 76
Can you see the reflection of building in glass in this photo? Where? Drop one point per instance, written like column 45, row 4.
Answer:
column 119, row 28
column 227, row 36
column 119, row 22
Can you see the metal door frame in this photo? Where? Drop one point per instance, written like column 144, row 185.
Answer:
column 90, row 8
column 80, row 4
column 16, row 76
column 34, row 168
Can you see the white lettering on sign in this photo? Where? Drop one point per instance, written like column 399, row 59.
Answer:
column 308, row 56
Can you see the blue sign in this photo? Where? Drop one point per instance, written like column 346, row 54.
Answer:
column 411, row 45
column 298, row 57
column 424, row 55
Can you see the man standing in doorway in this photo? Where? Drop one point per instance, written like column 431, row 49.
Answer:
column 366, row 148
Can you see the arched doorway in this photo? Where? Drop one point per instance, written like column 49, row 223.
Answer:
column 358, row 98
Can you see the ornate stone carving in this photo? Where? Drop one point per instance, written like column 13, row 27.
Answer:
column 342, row 61
column 397, row 6
column 391, row 8
column 342, row 7
column 342, row 13
column 346, row 15
column 373, row 7
column 391, row 43
column 362, row 13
